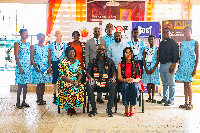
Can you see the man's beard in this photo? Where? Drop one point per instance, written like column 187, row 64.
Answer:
column 101, row 55
column 117, row 40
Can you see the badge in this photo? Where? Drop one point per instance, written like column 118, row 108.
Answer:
column 148, row 63
column 135, row 56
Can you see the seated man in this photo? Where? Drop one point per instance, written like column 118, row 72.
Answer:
column 101, row 72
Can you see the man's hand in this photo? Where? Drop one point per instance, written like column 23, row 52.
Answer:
column 171, row 70
column 112, row 80
column 21, row 71
column 91, row 80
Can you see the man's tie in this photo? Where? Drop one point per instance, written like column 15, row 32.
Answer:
column 97, row 42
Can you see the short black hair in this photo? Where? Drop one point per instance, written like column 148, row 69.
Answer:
column 134, row 29
column 151, row 36
column 22, row 30
column 117, row 32
column 167, row 28
column 68, row 49
column 75, row 32
column 124, row 51
column 188, row 27
column 40, row 34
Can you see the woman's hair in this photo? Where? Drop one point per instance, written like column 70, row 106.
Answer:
column 68, row 49
column 22, row 30
column 40, row 34
column 75, row 32
column 188, row 27
column 124, row 51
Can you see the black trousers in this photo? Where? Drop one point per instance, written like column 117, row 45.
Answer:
column 111, row 87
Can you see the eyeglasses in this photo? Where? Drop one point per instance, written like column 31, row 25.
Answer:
column 166, row 31
column 101, row 49
column 128, row 53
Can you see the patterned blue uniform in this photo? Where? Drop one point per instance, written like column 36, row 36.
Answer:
column 109, row 40
column 40, row 55
column 187, row 61
column 24, row 60
column 62, row 48
column 154, row 77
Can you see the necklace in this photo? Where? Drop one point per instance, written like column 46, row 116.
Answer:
column 150, row 52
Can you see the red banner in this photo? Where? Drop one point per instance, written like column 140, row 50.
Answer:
column 122, row 10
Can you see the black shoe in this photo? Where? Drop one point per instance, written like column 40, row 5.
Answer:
column 100, row 100
column 110, row 113
column 168, row 103
column 93, row 112
column 162, row 101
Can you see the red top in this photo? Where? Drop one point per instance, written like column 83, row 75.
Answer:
column 128, row 70
column 79, row 55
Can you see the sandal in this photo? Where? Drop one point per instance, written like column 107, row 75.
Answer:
column 189, row 107
column 153, row 101
column 149, row 100
column 25, row 104
column 183, row 106
column 19, row 106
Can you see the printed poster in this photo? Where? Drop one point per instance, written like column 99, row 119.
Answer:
column 84, row 28
column 146, row 29
column 124, row 27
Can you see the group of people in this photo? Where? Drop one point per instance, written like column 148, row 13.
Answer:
column 105, row 62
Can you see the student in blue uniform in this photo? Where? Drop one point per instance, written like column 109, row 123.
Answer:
column 151, row 73
column 23, row 67
column 40, row 69
column 189, row 58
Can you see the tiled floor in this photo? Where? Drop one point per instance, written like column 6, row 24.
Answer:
column 44, row 118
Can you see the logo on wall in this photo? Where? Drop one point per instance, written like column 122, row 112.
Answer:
column 121, row 28
column 85, row 33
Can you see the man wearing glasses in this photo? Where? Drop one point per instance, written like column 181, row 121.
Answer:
column 101, row 72
column 168, row 57
column 90, row 52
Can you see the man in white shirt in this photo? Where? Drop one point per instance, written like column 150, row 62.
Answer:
column 115, row 50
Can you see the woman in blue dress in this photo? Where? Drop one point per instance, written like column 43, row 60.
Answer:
column 188, row 65
column 23, row 67
column 40, row 69
column 151, row 72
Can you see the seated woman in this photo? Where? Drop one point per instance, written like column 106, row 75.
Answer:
column 71, row 91
column 129, row 76
column 80, row 50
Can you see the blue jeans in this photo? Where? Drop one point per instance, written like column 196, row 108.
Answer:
column 129, row 93
column 168, row 80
